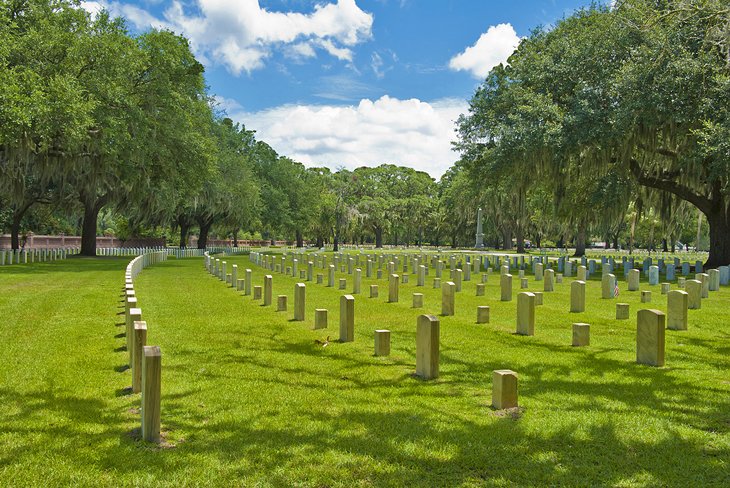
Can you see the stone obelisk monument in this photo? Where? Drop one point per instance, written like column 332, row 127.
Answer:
column 480, row 234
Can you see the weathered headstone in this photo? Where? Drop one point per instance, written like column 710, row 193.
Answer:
column 268, row 289
column 581, row 334
column 427, row 346
column 549, row 277
column 373, row 291
column 320, row 318
column 506, row 287
column 343, row 283
column 526, row 313
column 331, row 276
column 480, row 289
column 650, row 337
column 382, row 342
column 713, row 277
column 281, row 303
column 482, row 314
column 418, row 300
column 347, row 318
column 578, row 296
column 300, row 290
column 634, row 275
column 665, row 288
column 448, row 294
column 393, row 288
column 694, row 292
column 677, row 305
column 704, row 278
column 622, row 311
column 608, row 283
column 248, row 282
column 504, row 389
column 645, row 296
column 582, row 273
column 653, row 275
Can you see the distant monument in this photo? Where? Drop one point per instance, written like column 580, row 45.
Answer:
column 480, row 234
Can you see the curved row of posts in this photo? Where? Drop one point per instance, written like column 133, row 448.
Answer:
column 144, row 361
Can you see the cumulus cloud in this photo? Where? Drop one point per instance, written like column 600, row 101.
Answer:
column 492, row 48
column 387, row 130
column 242, row 35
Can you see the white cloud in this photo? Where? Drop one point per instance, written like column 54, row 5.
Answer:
column 492, row 48
column 241, row 34
column 388, row 130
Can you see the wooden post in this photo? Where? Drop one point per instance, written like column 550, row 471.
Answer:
column 151, row 393
column 382, row 342
column 347, row 318
column 140, row 340
column 427, row 346
column 135, row 315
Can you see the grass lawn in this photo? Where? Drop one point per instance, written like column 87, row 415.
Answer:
column 250, row 399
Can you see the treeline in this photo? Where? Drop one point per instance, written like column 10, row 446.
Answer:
column 612, row 118
column 611, row 126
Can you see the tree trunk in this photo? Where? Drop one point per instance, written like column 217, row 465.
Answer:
column 665, row 248
column 320, row 242
column 300, row 240
column 699, row 230
column 92, row 207
column 15, row 232
column 580, row 241
column 204, row 230
column 632, row 233
column 520, row 240
column 378, row 237
column 719, row 220
column 506, row 239
column 184, row 228
column 336, row 241
column 18, row 215
column 235, row 238
column 453, row 240
column 538, row 241
column 88, row 228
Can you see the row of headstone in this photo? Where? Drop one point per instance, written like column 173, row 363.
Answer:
column 27, row 256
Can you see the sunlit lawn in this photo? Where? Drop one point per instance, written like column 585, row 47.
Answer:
column 251, row 398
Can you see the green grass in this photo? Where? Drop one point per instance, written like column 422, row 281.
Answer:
column 249, row 398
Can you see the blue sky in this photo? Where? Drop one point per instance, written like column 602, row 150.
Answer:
column 348, row 82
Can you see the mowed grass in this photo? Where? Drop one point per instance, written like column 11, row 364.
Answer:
column 251, row 399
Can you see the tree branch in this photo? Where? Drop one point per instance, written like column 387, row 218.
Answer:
column 685, row 193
